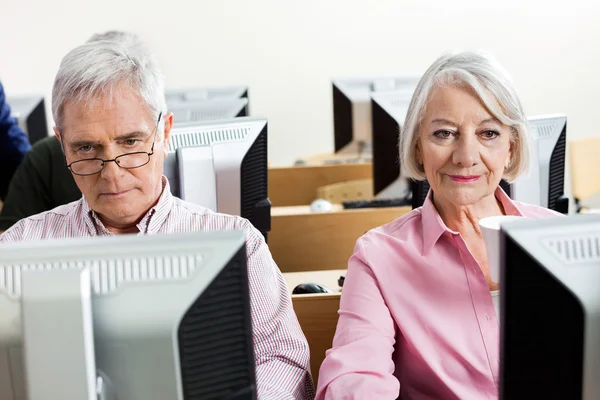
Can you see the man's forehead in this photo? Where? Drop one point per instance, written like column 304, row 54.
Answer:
column 104, row 121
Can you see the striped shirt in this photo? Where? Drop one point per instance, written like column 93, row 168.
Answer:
column 281, row 350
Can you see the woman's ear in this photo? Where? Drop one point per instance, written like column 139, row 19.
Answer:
column 418, row 154
column 509, row 157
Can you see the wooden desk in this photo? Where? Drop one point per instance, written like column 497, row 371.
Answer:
column 317, row 313
column 585, row 166
column 291, row 186
column 330, row 158
column 303, row 241
column 328, row 278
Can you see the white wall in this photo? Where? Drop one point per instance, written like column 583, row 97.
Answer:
column 288, row 51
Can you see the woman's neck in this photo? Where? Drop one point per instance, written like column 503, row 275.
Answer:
column 465, row 218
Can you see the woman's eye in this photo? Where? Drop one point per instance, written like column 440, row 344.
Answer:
column 443, row 134
column 489, row 134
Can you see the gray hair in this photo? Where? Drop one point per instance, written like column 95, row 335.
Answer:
column 489, row 81
column 114, row 36
column 98, row 67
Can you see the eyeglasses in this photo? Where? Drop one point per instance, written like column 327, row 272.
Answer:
column 92, row 166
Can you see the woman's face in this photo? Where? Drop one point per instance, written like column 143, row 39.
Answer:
column 462, row 147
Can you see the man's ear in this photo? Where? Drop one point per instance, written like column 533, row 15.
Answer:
column 168, row 118
column 59, row 138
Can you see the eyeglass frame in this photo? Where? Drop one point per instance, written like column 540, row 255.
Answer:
column 117, row 157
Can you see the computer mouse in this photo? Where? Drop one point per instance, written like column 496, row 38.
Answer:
column 306, row 288
column 321, row 205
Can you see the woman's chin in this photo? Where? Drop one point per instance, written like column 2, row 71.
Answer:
column 465, row 196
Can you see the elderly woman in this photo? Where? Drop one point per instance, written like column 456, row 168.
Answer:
column 417, row 319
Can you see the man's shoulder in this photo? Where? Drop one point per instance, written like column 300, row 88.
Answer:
column 62, row 211
column 207, row 218
column 44, row 225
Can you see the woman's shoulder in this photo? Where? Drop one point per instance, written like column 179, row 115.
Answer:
column 406, row 227
column 533, row 211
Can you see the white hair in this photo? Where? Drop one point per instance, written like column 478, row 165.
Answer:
column 94, row 70
column 114, row 36
column 488, row 80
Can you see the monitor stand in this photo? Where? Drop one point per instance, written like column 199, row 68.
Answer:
column 58, row 334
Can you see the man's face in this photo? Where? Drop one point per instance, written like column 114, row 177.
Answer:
column 112, row 127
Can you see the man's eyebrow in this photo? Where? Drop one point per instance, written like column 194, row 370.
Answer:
column 132, row 135
column 82, row 143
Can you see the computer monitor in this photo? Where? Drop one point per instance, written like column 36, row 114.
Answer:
column 550, row 309
column 30, row 113
column 544, row 185
column 352, row 109
column 156, row 317
column 209, row 110
column 388, row 114
column 197, row 94
column 222, row 165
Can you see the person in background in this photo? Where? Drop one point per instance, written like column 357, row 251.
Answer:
column 416, row 318
column 109, row 107
column 42, row 181
column 14, row 144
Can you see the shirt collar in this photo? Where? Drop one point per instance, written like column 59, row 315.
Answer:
column 433, row 227
column 149, row 224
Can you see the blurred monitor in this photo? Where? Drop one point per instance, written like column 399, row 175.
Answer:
column 222, row 165
column 30, row 113
column 197, row 94
column 209, row 110
column 352, row 109
column 388, row 113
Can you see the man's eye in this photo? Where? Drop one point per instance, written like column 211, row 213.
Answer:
column 131, row 142
column 86, row 149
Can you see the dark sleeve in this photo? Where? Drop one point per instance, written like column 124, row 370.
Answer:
column 13, row 144
column 29, row 192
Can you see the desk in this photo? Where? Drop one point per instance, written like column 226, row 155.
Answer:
column 317, row 313
column 290, row 186
column 328, row 278
column 302, row 241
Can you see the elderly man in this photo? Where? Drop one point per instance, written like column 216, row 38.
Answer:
column 109, row 108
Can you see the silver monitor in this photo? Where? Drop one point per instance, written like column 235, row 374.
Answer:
column 222, row 165
column 352, row 109
column 196, row 94
column 209, row 110
column 545, row 184
column 155, row 318
column 388, row 111
column 30, row 113
column 550, row 309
